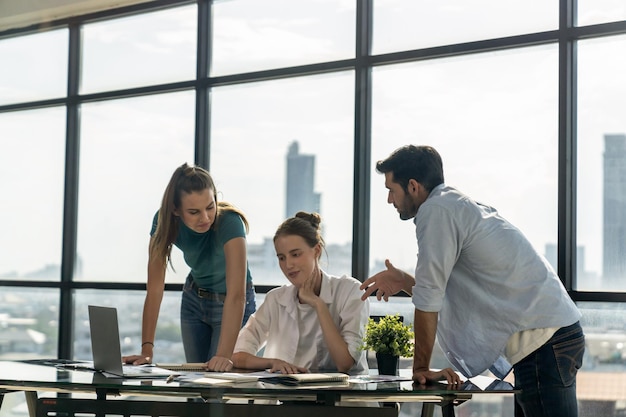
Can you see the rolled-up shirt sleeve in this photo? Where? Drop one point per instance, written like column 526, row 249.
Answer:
column 438, row 239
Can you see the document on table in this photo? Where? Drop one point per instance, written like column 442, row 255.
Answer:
column 225, row 378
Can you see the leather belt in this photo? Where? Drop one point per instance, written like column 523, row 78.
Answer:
column 214, row 296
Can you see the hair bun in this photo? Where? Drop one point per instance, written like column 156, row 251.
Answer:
column 314, row 218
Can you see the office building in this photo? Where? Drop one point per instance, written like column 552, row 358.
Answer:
column 614, row 209
column 300, row 182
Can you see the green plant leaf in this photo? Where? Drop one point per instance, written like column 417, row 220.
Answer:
column 389, row 335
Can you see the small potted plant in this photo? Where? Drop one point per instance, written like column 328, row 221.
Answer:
column 390, row 338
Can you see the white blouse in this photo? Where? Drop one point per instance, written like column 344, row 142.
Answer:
column 292, row 333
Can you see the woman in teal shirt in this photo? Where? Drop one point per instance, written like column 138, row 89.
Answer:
column 218, row 295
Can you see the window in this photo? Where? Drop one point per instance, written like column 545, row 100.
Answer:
column 251, row 36
column 601, row 165
column 21, row 78
column 492, row 117
column 413, row 24
column 140, row 50
column 29, row 319
column 279, row 147
column 31, row 179
column 129, row 150
column 600, row 11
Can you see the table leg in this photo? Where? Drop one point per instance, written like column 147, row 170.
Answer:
column 31, row 402
column 447, row 408
column 428, row 409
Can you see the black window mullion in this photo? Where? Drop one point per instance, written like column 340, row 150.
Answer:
column 362, row 140
column 203, row 65
column 70, row 211
column 567, row 146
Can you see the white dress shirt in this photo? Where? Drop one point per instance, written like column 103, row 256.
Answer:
column 484, row 278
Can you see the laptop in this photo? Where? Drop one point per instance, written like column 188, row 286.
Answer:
column 106, row 348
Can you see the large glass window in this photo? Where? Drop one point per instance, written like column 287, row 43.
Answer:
column 22, row 74
column 284, row 140
column 129, row 150
column 492, row 117
column 32, row 168
column 600, row 11
column 152, row 48
column 250, row 35
column 282, row 146
column 29, row 323
column 600, row 382
column 601, row 180
column 414, row 24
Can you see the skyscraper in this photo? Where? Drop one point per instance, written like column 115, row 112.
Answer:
column 300, row 181
column 614, row 237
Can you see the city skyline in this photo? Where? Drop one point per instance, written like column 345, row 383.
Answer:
column 300, row 194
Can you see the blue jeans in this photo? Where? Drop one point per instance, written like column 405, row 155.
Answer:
column 201, row 320
column 547, row 377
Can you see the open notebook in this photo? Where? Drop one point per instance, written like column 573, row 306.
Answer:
column 106, row 349
column 306, row 378
column 225, row 378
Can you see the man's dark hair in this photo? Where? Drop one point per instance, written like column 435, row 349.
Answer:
column 421, row 163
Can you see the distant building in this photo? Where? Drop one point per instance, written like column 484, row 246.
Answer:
column 614, row 218
column 584, row 278
column 300, row 196
column 300, row 182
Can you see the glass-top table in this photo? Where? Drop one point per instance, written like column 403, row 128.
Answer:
column 359, row 396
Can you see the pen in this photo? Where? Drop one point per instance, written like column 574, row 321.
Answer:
column 171, row 378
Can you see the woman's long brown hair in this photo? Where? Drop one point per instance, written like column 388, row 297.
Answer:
column 186, row 179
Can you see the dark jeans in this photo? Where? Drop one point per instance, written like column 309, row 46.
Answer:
column 547, row 377
column 201, row 321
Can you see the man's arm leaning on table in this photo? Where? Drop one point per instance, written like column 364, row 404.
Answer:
column 425, row 325
column 391, row 281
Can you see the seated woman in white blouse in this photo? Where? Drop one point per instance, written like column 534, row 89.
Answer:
column 315, row 324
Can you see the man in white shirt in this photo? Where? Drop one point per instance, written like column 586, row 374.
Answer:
column 491, row 299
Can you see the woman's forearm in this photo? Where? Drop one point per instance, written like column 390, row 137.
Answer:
column 232, row 317
column 337, row 346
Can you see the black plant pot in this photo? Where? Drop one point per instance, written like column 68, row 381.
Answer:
column 387, row 364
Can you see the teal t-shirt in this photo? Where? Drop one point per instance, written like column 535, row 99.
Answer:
column 204, row 252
